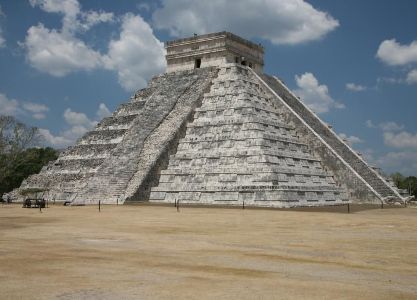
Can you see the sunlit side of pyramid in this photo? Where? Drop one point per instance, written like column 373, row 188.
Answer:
column 214, row 129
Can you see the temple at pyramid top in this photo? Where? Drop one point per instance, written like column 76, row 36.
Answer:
column 214, row 49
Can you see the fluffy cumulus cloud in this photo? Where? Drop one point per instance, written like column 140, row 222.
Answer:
column 401, row 140
column 390, row 126
column 77, row 124
column 92, row 18
column 404, row 162
column 385, row 126
column 412, row 77
column 350, row 139
column 394, row 135
column 404, row 159
column 73, row 18
column 137, row 54
column 13, row 107
column 38, row 110
column 280, row 21
column 78, row 119
column 394, row 54
column 315, row 95
column 9, row 107
column 102, row 111
column 58, row 53
column 355, row 87
column 2, row 39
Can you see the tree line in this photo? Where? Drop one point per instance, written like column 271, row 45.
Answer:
column 408, row 183
column 19, row 156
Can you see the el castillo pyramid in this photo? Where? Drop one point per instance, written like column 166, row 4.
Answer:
column 214, row 129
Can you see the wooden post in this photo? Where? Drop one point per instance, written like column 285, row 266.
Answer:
column 178, row 205
column 348, row 208
column 99, row 205
column 243, row 205
column 382, row 205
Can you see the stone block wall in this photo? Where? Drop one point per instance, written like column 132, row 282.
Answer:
column 361, row 181
column 240, row 148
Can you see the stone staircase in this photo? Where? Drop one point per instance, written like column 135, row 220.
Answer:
column 102, row 162
column 112, row 178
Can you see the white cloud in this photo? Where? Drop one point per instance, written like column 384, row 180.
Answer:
column 77, row 119
column 395, row 54
column 355, row 87
column 370, row 124
column 13, row 107
column 401, row 140
column 73, row 18
column 69, row 8
column 314, row 94
column 52, row 140
column 8, row 107
column 58, row 53
column 390, row 126
column 2, row 40
column 412, row 77
column 92, row 18
column 350, row 139
column 390, row 80
column 103, row 111
column 37, row 109
column 385, row 126
column 280, row 21
column 78, row 124
column 144, row 6
column 137, row 55
column 404, row 162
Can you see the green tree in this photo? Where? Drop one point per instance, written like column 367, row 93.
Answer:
column 397, row 178
column 27, row 162
column 17, row 160
column 408, row 183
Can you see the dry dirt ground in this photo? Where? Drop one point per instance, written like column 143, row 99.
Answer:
column 149, row 252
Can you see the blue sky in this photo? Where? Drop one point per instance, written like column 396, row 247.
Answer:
column 66, row 64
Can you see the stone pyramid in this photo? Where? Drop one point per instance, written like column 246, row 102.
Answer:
column 214, row 129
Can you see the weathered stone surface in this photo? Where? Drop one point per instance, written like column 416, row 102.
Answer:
column 240, row 148
column 363, row 182
column 226, row 135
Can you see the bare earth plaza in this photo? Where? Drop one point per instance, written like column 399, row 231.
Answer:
column 149, row 252
column 214, row 180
